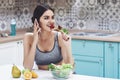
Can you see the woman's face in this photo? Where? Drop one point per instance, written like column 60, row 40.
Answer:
column 46, row 20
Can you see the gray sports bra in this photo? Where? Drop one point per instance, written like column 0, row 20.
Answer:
column 53, row 56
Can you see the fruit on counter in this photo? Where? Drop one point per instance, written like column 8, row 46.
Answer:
column 27, row 74
column 25, row 70
column 16, row 73
column 34, row 74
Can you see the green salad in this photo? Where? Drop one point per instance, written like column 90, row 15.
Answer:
column 65, row 30
column 61, row 71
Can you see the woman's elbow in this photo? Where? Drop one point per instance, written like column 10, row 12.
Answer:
column 27, row 65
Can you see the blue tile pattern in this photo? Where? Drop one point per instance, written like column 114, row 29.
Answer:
column 72, row 14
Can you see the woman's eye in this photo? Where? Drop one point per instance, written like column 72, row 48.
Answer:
column 52, row 17
column 46, row 18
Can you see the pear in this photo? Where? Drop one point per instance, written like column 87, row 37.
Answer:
column 16, row 73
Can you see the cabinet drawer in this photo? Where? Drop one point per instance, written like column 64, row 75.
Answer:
column 87, row 48
column 91, row 66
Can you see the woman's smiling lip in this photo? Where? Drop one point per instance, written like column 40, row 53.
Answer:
column 51, row 26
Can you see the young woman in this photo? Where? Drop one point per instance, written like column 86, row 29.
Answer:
column 45, row 45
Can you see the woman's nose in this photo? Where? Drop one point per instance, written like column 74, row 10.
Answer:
column 51, row 20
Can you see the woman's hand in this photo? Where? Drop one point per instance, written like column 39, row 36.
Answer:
column 36, row 30
column 65, row 36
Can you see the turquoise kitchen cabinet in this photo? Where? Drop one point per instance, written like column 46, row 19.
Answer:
column 88, row 57
column 119, row 62
column 119, row 66
column 91, row 66
column 87, row 48
column 96, row 58
column 111, row 59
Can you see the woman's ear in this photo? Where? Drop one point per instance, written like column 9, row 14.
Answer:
column 39, row 25
column 38, row 22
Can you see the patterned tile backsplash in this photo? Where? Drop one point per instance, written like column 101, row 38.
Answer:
column 72, row 14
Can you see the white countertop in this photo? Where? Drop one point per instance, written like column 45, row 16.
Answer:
column 5, row 74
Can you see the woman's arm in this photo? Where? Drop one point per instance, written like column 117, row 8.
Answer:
column 30, row 42
column 66, row 50
column 29, row 51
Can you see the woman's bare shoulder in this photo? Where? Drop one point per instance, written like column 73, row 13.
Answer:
column 28, row 37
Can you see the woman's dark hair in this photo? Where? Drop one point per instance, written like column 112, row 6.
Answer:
column 39, row 10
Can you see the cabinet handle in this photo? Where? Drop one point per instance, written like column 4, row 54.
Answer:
column 17, row 42
column 84, row 43
column 21, row 42
column 100, row 61
column 110, row 45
